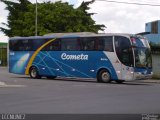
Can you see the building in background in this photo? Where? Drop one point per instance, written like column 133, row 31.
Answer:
column 153, row 30
column 3, row 54
column 153, row 34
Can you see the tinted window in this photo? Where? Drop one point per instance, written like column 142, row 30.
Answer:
column 26, row 45
column 37, row 43
column 124, row 50
column 20, row 45
column 105, row 43
column 143, row 57
column 12, row 44
column 87, row 44
column 139, row 42
column 69, row 44
column 53, row 46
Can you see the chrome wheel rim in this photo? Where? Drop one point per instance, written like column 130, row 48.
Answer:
column 105, row 76
column 33, row 73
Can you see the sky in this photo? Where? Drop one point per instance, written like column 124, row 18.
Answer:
column 117, row 17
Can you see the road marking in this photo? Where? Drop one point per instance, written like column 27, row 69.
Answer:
column 3, row 84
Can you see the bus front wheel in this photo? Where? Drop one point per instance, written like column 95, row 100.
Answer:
column 103, row 76
column 34, row 73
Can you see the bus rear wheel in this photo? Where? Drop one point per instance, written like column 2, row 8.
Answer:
column 104, row 76
column 34, row 73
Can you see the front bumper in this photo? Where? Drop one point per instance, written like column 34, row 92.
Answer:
column 141, row 76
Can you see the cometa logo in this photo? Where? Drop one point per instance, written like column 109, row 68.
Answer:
column 64, row 56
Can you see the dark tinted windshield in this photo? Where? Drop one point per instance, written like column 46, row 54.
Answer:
column 139, row 42
column 143, row 57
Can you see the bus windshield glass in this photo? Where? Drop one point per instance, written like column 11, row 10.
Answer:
column 142, row 52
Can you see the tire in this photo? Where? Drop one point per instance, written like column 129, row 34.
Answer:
column 104, row 76
column 34, row 73
column 119, row 81
column 51, row 77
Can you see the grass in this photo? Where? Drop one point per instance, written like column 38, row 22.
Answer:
column 156, row 76
column 3, row 56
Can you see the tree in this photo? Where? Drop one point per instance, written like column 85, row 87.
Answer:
column 88, row 21
column 52, row 18
column 16, row 17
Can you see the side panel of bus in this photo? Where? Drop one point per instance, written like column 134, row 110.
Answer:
column 73, row 64
column 18, row 61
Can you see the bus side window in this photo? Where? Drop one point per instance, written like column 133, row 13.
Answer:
column 56, row 45
column 99, row 44
column 20, row 45
column 88, row 43
column 108, row 43
column 13, row 45
column 69, row 44
column 53, row 46
column 105, row 43
column 27, row 45
column 37, row 43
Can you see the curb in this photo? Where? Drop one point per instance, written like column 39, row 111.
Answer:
column 151, row 81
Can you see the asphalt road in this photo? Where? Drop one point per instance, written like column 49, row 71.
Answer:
column 20, row 94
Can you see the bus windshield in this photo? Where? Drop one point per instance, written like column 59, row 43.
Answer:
column 142, row 52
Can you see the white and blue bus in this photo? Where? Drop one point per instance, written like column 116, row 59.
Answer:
column 106, row 57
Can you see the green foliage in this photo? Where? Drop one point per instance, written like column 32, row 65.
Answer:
column 16, row 21
column 156, row 76
column 3, row 54
column 52, row 18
